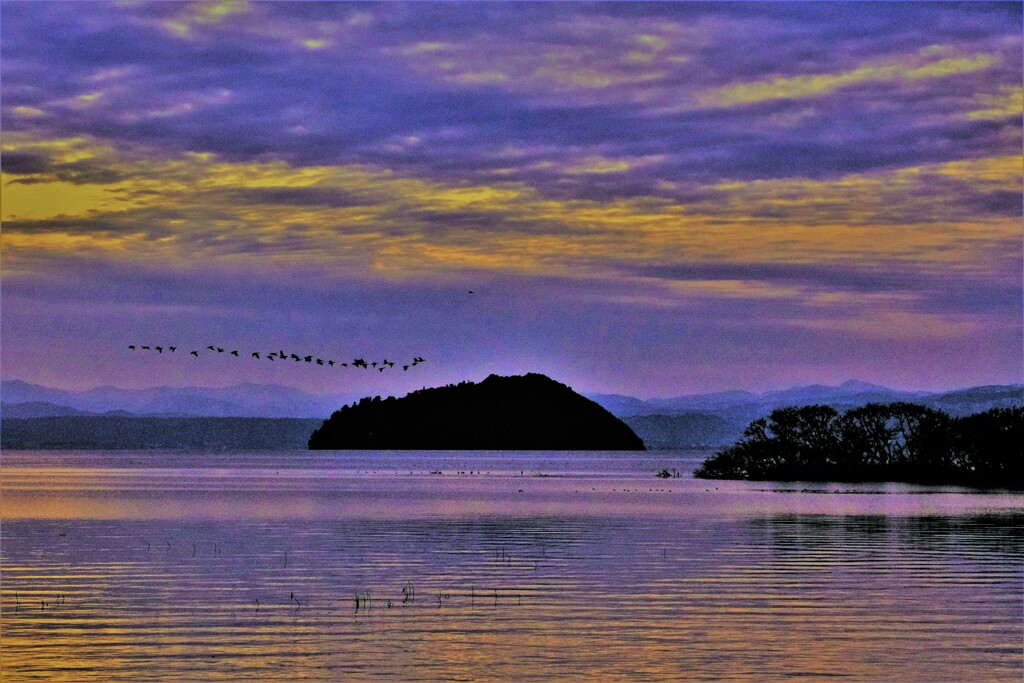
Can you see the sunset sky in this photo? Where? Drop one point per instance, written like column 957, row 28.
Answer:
column 650, row 199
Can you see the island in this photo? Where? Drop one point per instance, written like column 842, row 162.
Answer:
column 528, row 412
column 878, row 442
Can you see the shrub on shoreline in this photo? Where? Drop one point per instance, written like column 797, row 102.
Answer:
column 877, row 442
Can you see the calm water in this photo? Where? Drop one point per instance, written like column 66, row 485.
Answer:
column 494, row 566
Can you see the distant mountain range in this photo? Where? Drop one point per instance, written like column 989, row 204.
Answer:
column 850, row 393
column 22, row 399
column 718, row 419
column 695, row 420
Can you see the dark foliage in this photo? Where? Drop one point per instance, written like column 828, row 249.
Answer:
column 878, row 442
column 531, row 412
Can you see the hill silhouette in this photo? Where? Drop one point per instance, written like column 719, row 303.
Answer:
column 529, row 412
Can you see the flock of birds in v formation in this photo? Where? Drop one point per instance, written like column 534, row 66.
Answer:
column 379, row 366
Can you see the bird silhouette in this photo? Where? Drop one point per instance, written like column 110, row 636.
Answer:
column 146, row 347
column 405, row 367
column 234, row 353
column 255, row 354
column 380, row 369
column 210, row 347
column 160, row 349
column 173, row 348
column 220, row 350
column 308, row 359
column 196, row 354
column 319, row 362
column 295, row 357
column 131, row 346
column 330, row 362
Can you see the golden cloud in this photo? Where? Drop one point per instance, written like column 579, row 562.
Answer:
column 1008, row 102
column 196, row 210
column 916, row 67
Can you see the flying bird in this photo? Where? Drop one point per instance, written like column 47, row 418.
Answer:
column 210, row 347
column 255, row 354
column 220, row 350
column 173, row 348
column 146, row 347
column 330, row 362
column 234, row 353
column 131, row 346
column 196, row 354
column 160, row 349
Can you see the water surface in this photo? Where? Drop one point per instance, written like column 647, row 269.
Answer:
column 494, row 566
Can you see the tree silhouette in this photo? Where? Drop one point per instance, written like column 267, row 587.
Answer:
column 877, row 442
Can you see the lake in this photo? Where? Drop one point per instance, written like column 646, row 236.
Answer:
column 468, row 566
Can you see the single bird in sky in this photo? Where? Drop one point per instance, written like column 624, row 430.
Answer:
column 255, row 354
column 173, row 348
column 131, row 346
column 196, row 354
column 234, row 353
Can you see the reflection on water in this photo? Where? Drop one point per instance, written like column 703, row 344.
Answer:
column 583, row 568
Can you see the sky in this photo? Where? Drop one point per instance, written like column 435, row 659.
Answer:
column 644, row 198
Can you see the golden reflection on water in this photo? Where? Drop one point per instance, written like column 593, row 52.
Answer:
column 229, row 573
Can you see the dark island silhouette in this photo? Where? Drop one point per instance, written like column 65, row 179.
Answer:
column 878, row 442
column 528, row 412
